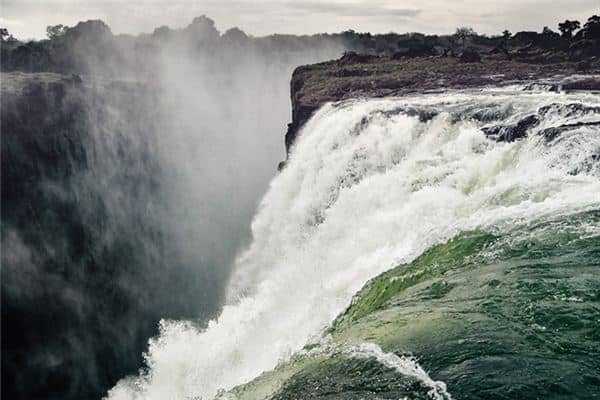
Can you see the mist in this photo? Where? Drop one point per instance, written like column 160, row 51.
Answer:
column 128, row 190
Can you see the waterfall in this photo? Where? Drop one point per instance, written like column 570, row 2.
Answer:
column 371, row 184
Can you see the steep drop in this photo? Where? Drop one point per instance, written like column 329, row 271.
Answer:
column 369, row 185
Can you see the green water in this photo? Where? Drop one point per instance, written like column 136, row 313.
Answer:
column 499, row 314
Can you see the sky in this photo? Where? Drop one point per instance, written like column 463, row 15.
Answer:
column 27, row 19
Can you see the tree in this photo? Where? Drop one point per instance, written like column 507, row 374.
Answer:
column 592, row 28
column 235, row 35
column 203, row 29
column 452, row 49
column 506, row 35
column 5, row 36
column 162, row 32
column 568, row 27
column 547, row 31
column 463, row 33
column 55, row 31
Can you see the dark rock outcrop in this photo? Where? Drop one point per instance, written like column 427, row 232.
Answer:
column 314, row 85
column 583, row 84
column 352, row 57
column 88, row 269
column 511, row 133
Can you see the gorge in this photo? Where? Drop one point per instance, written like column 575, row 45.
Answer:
column 432, row 232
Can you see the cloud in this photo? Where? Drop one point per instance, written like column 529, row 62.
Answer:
column 346, row 9
column 263, row 17
column 13, row 22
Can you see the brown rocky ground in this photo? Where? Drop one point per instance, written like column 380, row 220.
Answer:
column 355, row 76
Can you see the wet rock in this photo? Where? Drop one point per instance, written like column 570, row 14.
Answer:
column 424, row 115
column 585, row 84
column 300, row 115
column 550, row 87
column 511, row 133
column 568, row 110
column 552, row 133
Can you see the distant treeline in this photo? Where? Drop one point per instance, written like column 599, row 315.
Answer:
column 90, row 47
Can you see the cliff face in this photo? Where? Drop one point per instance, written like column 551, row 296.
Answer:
column 57, row 268
column 88, row 268
column 356, row 76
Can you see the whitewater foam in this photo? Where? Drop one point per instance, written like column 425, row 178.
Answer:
column 406, row 366
column 369, row 186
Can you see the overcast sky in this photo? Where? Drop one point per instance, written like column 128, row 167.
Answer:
column 29, row 18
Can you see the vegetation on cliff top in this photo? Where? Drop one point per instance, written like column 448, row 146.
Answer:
column 417, row 62
column 90, row 46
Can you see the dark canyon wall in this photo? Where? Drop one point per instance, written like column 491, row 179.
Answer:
column 131, row 169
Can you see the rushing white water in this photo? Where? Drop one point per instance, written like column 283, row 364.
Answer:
column 406, row 366
column 368, row 186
